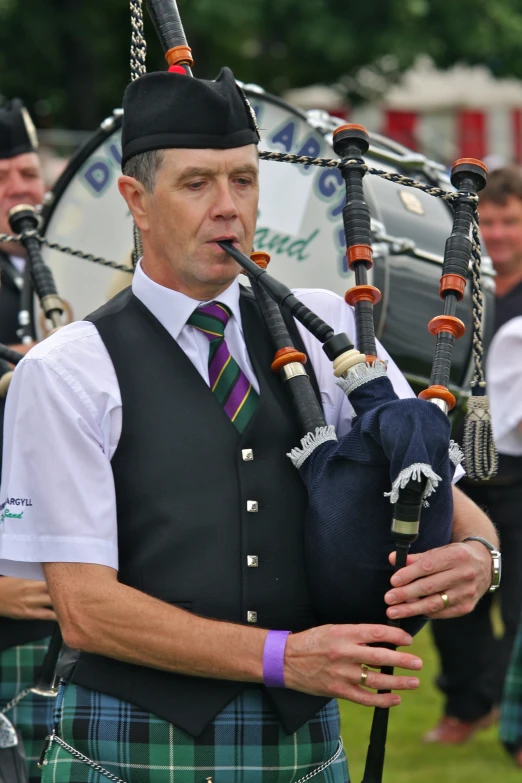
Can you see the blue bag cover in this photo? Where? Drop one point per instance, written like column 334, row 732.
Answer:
column 348, row 538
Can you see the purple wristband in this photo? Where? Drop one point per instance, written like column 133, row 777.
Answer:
column 274, row 659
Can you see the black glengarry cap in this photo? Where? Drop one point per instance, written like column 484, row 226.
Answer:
column 165, row 110
column 17, row 132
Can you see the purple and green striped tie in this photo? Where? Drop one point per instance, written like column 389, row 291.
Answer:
column 227, row 380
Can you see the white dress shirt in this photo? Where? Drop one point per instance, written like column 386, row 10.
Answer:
column 504, row 383
column 63, row 423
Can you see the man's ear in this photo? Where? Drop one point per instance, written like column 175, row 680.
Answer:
column 136, row 197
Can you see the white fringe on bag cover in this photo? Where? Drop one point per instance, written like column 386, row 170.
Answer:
column 310, row 442
column 361, row 374
column 415, row 472
column 456, row 454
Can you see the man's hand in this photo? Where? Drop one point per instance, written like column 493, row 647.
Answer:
column 461, row 571
column 24, row 599
column 327, row 661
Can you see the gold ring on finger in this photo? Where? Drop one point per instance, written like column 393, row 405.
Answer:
column 445, row 600
column 364, row 674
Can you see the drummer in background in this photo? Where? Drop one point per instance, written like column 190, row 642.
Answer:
column 21, row 182
column 473, row 659
column 25, row 606
column 147, row 486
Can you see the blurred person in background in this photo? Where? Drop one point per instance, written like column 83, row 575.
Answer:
column 505, row 390
column 472, row 683
column 21, row 182
column 25, row 606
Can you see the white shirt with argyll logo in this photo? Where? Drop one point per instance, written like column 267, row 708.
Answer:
column 63, row 423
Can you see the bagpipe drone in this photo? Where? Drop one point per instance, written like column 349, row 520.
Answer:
column 367, row 490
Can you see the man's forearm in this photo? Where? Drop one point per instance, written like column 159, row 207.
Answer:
column 470, row 520
column 114, row 620
column 99, row 615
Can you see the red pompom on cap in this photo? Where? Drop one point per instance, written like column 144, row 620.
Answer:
column 177, row 69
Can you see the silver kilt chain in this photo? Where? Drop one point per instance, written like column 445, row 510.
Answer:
column 14, row 702
column 110, row 776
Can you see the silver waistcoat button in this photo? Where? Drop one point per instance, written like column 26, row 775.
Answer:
column 247, row 454
column 252, row 617
column 252, row 561
column 252, row 505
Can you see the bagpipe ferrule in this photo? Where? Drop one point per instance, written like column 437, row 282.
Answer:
column 359, row 254
column 447, row 323
column 362, row 293
column 346, row 361
column 286, row 356
column 180, row 55
column 404, row 527
column 292, row 370
column 260, row 258
column 351, row 133
column 470, row 167
column 452, row 284
column 435, row 393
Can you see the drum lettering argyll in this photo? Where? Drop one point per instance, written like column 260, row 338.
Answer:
column 299, row 224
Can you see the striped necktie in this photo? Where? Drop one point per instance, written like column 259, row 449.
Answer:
column 226, row 379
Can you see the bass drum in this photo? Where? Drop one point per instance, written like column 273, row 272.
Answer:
column 299, row 224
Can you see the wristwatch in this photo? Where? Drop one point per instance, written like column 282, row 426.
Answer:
column 496, row 561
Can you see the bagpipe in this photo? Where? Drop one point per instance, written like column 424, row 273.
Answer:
column 368, row 489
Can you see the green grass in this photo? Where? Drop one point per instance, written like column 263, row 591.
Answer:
column 408, row 759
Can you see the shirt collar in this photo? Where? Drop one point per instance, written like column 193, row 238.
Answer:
column 172, row 308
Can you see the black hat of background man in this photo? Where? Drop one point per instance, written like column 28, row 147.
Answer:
column 163, row 110
column 17, row 132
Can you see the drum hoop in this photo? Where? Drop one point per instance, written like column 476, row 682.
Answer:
column 81, row 155
column 252, row 93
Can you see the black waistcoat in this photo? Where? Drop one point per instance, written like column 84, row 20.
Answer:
column 15, row 632
column 183, row 489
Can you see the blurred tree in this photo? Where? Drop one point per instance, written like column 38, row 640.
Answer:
column 69, row 58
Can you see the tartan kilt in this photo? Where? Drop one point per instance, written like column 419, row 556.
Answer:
column 33, row 716
column 511, row 707
column 244, row 744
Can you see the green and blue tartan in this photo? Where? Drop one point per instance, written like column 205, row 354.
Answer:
column 244, row 744
column 33, row 716
column 511, row 707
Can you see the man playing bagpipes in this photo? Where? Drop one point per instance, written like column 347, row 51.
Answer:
column 169, row 521
column 25, row 606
